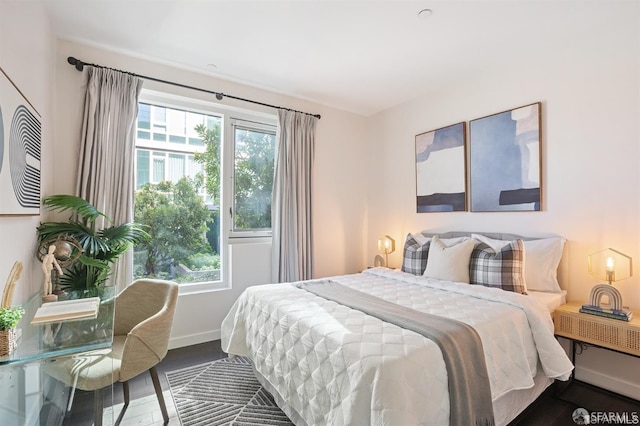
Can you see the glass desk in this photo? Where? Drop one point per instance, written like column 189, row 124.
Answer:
column 30, row 397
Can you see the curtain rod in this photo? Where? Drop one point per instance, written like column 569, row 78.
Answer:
column 79, row 65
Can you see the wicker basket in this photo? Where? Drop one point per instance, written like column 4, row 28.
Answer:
column 7, row 341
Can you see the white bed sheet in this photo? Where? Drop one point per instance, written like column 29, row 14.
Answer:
column 333, row 365
column 550, row 300
column 510, row 405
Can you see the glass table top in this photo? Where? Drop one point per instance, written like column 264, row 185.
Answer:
column 54, row 339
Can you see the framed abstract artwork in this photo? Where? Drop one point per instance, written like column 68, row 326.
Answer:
column 505, row 161
column 20, row 134
column 441, row 170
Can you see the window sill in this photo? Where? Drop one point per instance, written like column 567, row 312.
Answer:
column 198, row 288
column 250, row 240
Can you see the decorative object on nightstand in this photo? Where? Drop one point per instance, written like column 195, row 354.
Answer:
column 386, row 245
column 610, row 265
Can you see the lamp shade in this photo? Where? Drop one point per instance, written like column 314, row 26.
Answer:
column 386, row 245
column 610, row 265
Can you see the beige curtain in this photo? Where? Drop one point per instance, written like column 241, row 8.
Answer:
column 291, row 204
column 107, row 148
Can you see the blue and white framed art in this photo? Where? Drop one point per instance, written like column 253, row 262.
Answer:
column 20, row 138
column 441, row 170
column 505, row 161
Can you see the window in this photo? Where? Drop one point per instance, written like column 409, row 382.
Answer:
column 159, row 166
column 143, row 168
column 144, row 116
column 254, row 149
column 180, row 169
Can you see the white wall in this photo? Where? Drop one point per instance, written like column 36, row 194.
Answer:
column 339, row 180
column 26, row 55
column 589, row 87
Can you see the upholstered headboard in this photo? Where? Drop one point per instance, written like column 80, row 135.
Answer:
column 563, row 267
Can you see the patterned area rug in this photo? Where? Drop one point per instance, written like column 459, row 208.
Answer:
column 223, row 392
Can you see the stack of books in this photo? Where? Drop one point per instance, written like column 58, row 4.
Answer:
column 623, row 314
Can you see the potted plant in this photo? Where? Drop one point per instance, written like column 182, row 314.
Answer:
column 9, row 318
column 100, row 247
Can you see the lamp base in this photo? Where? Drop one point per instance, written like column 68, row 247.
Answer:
column 613, row 310
column 601, row 290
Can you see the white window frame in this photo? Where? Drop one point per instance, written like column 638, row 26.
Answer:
column 228, row 115
column 244, row 123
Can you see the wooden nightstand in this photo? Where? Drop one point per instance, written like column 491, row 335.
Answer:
column 612, row 334
column 617, row 335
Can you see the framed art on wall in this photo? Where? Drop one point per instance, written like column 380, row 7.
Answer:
column 441, row 170
column 504, row 157
column 20, row 134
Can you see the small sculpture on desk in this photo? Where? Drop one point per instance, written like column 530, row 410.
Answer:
column 64, row 251
column 49, row 262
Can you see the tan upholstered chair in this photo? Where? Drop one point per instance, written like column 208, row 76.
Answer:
column 142, row 326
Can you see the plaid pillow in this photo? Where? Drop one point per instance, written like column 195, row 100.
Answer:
column 504, row 269
column 416, row 252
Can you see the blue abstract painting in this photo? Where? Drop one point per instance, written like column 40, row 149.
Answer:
column 504, row 157
column 441, row 170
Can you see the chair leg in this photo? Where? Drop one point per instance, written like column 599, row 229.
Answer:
column 158, row 388
column 97, row 407
column 125, row 390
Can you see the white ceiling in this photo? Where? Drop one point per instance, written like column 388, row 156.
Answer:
column 357, row 55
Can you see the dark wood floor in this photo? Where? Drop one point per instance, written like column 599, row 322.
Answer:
column 555, row 407
column 549, row 410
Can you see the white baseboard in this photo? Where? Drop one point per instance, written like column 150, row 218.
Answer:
column 193, row 339
column 614, row 384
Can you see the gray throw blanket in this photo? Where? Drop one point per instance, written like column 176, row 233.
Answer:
column 469, row 388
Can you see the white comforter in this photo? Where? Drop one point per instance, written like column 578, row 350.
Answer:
column 337, row 366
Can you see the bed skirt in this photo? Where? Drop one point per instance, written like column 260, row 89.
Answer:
column 505, row 409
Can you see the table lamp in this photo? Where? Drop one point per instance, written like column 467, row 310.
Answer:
column 386, row 245
column 609, row 265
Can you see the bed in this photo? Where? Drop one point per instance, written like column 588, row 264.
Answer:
column 328, row 364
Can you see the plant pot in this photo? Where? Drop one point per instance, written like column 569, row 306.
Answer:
column 8, row 341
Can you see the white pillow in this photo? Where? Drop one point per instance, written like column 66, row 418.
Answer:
column 422, row 239
column 449, row 263
column 543, row 256
column 541, row 260
column 416, row 252
column 496, row 245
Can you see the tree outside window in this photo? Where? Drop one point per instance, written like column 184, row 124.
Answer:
column 254, row 151
column 177, row 221
column 253, row 183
